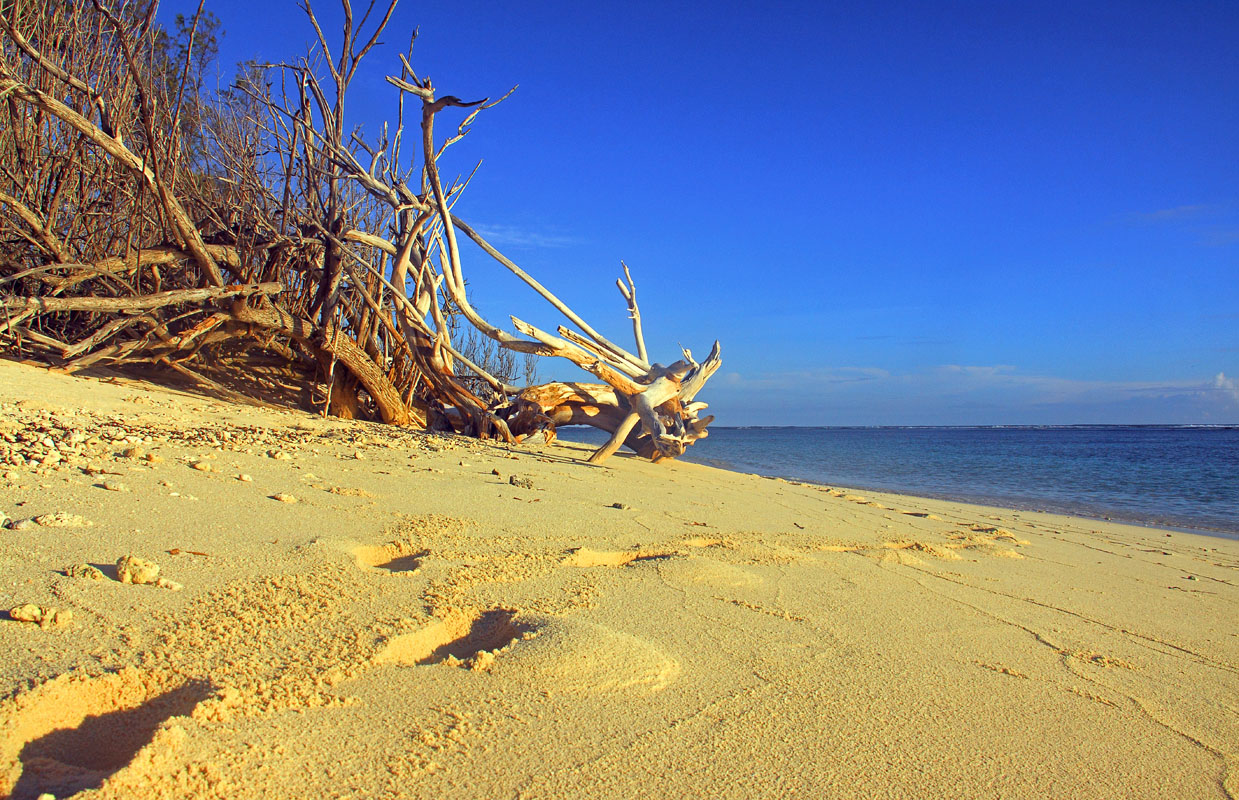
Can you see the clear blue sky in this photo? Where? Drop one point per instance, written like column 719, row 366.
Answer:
column 889, row 213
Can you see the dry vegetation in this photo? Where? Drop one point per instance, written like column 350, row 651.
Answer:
column 145, row 221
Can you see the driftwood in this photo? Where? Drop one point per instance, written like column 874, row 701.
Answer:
column 140, row 303
column 125, row 200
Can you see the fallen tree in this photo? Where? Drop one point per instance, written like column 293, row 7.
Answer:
column 143, row 222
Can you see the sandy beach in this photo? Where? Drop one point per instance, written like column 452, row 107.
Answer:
column 345, row 609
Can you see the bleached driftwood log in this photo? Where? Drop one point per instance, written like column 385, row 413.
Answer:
column 129, row 237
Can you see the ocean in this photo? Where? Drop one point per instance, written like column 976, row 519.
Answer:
column 1184, row 477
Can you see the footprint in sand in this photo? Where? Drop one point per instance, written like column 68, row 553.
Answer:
column 73, row 732
column 402, row 557
column 921, row 514
column 699, row 571
column 550, row 654
column 470, row 636
column 924, row 547
column 997, row 533
column 986, row 539
column 584, row 557
column 573, row 656
column 704, row 541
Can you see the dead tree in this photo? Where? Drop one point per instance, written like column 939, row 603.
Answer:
column 279, row 233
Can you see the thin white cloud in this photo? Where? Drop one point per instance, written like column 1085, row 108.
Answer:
column 1229, row 386
column 1170, row 214
column 1213, row 225
column 808, row 377
column 980, row 394
column 518, row 237
column 976, row 372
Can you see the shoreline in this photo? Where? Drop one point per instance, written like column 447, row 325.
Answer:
column 599, row 632
column 1011, row 504
column 1081, row 511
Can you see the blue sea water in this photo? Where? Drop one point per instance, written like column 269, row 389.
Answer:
column 1172, row 476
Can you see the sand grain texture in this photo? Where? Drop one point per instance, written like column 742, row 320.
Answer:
column 415, row 625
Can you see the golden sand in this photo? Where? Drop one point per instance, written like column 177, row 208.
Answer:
column 371, row 612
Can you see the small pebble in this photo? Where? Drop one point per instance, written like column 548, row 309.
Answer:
column 133, row 452
column 495, row 472
column 201, row 466
column 620, row 506
column 115, row 486
column 84, row 571
column 22, row 525
column 357, row 455
column 284, row 498
column 172, row 586
column 45, row 616
column 244, row 478
column 131, row 569
column 523, row 483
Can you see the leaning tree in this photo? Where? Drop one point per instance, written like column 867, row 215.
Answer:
column 144, row 221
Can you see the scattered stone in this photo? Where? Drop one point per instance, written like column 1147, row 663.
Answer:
column 245, row 478
column 357, row 455
column 44, row 616
column 133, row 452
column 115, row 486
column 495, row 472
column 172, row 586
column 84, row 571
column 620, row 506
column 523, row 483
column 284, row 498
column 62, row 519
column 131, row 569
column 202, row 466
column 22, row 524
column 151, row 458
column 278, row 455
